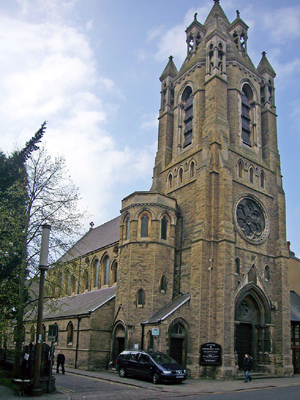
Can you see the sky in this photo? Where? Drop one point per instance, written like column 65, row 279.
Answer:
column 91, row 69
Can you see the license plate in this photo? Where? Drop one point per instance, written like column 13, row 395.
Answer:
column 180, row 376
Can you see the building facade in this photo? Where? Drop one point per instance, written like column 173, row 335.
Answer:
column 202, row 257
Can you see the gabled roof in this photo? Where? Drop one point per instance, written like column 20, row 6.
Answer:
column 295, row 306
column 96, row 238
column 80, row 304
column 168, row 309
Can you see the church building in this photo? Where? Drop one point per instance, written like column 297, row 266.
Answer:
column 200, row 260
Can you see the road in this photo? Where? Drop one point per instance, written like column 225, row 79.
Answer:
column 91, row 388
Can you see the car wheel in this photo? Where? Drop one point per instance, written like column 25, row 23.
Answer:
column 155, row 378
column 122, row 372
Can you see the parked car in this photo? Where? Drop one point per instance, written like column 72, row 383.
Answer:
column 156, row 366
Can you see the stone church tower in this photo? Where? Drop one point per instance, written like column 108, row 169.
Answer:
column 202, row 255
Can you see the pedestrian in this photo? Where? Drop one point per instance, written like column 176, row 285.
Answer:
column 248, row 362
column 60, row 361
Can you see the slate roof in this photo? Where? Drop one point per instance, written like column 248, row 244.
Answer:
column 295, row 306
column 80, row 304
column 168, row 309
column 96, row 238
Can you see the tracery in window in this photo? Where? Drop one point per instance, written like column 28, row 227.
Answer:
column 187, row 101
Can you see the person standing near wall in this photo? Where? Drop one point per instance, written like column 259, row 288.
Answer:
column 60, row 361
column 248, row 362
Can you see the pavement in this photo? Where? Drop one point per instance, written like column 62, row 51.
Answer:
column 188, row 387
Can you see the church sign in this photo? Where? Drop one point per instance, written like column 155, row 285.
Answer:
column 210, row 354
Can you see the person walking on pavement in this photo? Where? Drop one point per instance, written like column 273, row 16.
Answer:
column 60, row 361
column 248, row 362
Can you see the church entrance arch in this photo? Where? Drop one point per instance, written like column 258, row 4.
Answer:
column 178, row 341
column 252, row 320
column 118, row 341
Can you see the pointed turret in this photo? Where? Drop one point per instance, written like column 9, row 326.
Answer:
column 265, row 67
column 170, row 70
column 194, row 35
column 216, row 17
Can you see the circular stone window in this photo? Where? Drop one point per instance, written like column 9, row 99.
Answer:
column 251, row 220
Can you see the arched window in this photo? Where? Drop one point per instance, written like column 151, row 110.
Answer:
column 164, row 228
column 267, row 273
column 73, row 284
column 144, row 225
column 237, row 266
column 170, row 181
column 180, row 175
column 187, row 101
column 60, row 284
column 85, row 280
column 70, row 331
column 240, row 169
column 106, row 270
column 192, row 169
column 68, row 283
column 251, row 175
column 262, row 180
column 140, row 301
column 163, row 284
column 114, row 269
column 127, row 228
column 96, row 273
column 177, row 329
column 246, row 115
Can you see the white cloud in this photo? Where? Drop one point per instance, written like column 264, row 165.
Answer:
column 283, row 24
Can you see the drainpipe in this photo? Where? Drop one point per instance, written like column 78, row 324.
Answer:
column 77, row 342
column 142, row 338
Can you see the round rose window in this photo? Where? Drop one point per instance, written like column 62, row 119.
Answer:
column 251, row 220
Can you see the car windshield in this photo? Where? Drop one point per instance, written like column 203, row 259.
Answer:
column 160, row 358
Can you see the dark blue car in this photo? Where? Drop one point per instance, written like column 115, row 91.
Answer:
column 150, row 365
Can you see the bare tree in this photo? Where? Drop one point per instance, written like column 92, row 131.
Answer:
column 52, row 199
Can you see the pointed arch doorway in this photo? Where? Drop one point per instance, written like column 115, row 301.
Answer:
column 118, row 341
column 252, row 320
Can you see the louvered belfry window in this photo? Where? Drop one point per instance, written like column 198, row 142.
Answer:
column 246, row 120
column 188, row 121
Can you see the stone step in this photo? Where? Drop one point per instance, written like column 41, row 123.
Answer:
column 255, row 375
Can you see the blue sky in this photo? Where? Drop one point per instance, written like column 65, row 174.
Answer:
column 91, row 69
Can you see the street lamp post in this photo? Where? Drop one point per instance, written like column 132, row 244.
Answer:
column 43, row 266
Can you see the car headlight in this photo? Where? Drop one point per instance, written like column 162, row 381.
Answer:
column 166, row 372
